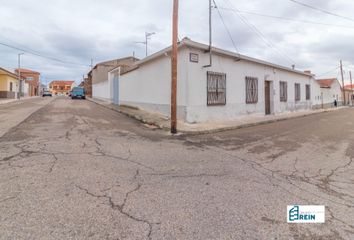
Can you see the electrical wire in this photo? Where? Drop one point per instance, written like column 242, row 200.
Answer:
column 330, row 71
column 268, row 42
column 289, row 19
column 32, row 52
column 227, row 29
column 322, row 10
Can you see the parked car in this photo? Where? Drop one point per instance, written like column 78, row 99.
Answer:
column 46, row 94
column 78, row 92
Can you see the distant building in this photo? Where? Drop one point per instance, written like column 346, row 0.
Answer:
column 97, row 84
column 31, row 86
column 349, row 93
column 88, row 85
column 61, row 87
column 9, row 84
column 326, row 92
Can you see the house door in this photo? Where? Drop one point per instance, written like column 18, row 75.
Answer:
column 116, row 89
column 267, row 97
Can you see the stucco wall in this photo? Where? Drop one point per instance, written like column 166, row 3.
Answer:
column 326, row 96
column 102, row 91
column 149, row 86
column 100, row 72
column 236, row 71
column 5, row 81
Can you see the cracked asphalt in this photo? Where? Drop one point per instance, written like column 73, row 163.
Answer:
column 76, row 170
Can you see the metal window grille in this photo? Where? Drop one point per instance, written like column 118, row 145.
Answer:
column 251, row 90
column 283, row 91
column 308, row 92
column 297, row 92
column 216, row 88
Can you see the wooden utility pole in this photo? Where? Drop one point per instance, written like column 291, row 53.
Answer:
column 351, row 87
column 343, row 90
column 210, row 33
column 174, row 68
column 20, row 90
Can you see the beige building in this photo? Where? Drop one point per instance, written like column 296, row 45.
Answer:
column 9, row 84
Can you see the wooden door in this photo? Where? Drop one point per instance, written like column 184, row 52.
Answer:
column 267, row 97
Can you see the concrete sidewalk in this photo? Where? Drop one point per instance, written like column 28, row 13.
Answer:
column 6, row 101
column 15, row 112
column 163, row 122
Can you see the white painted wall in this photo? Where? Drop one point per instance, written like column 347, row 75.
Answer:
column 25, row 89
column 102, row 91
column 236, row 106
column 326, row 96
column 149, row 87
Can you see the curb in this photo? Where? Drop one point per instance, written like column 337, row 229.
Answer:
column 222, row 129
column 140, row 119
column 9, row 101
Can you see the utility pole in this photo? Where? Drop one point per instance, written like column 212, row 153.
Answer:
column 91, row 63
column 174, row 68
column 343, row 90
column 19, row 76
column 351, row 87
column 210, row 34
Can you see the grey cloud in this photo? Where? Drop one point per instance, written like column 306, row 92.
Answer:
column 80, row 30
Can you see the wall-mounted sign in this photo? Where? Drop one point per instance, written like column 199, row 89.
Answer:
column 193, row 57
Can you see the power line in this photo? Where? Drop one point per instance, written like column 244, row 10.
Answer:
column 322, row 10
column 268, row 42
column 330, row 71
column 40, row 55
column 289, row 19
column 227, row 29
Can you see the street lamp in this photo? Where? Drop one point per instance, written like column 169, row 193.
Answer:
column 147, row 37
column 19, row 76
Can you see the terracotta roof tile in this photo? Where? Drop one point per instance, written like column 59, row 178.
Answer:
column 326, row 83
column 349, row 86
column 24, row 70
column 62, row 82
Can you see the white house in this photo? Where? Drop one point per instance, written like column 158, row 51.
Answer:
column 326, row 91
column 233, row 85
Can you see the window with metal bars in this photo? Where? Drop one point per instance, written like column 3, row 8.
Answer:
column 216, row 88
column 297, row 92
column 251, row 90
column 283, row 86
column 308, row 92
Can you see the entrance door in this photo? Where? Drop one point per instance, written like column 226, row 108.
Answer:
column 267, row 97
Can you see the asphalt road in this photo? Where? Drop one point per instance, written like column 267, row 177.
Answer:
column 76, row 170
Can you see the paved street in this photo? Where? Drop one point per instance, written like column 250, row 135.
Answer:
column 76, row 170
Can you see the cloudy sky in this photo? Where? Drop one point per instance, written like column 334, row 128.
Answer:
column 68, row 33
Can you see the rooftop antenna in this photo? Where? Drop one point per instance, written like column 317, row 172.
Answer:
column 147, row 37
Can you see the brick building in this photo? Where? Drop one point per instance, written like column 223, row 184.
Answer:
column 31, row 79
column 61, row 87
